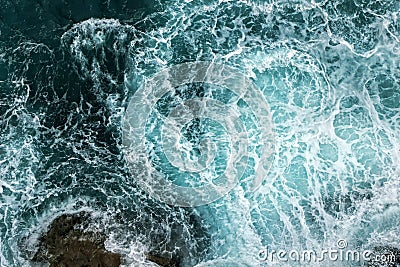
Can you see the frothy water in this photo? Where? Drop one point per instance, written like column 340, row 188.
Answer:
column 328, row 72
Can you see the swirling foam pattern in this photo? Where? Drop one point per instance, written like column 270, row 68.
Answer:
column 119, row 117
column 226, row 114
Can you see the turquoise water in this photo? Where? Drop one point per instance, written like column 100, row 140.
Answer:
column 328, row 70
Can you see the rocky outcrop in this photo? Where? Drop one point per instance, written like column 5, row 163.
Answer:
column 66, row 244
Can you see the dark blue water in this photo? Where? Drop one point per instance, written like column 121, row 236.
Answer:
column 328, row 71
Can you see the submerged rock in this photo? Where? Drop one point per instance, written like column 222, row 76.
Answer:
column 162, row 261
column 387, row 256
column 67, row 244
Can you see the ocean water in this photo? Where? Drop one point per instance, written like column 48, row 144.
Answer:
column 328, row 71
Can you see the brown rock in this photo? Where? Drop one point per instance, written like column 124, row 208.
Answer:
column 66, row 244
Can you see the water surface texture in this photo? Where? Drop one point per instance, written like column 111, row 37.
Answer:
column 328, row 71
